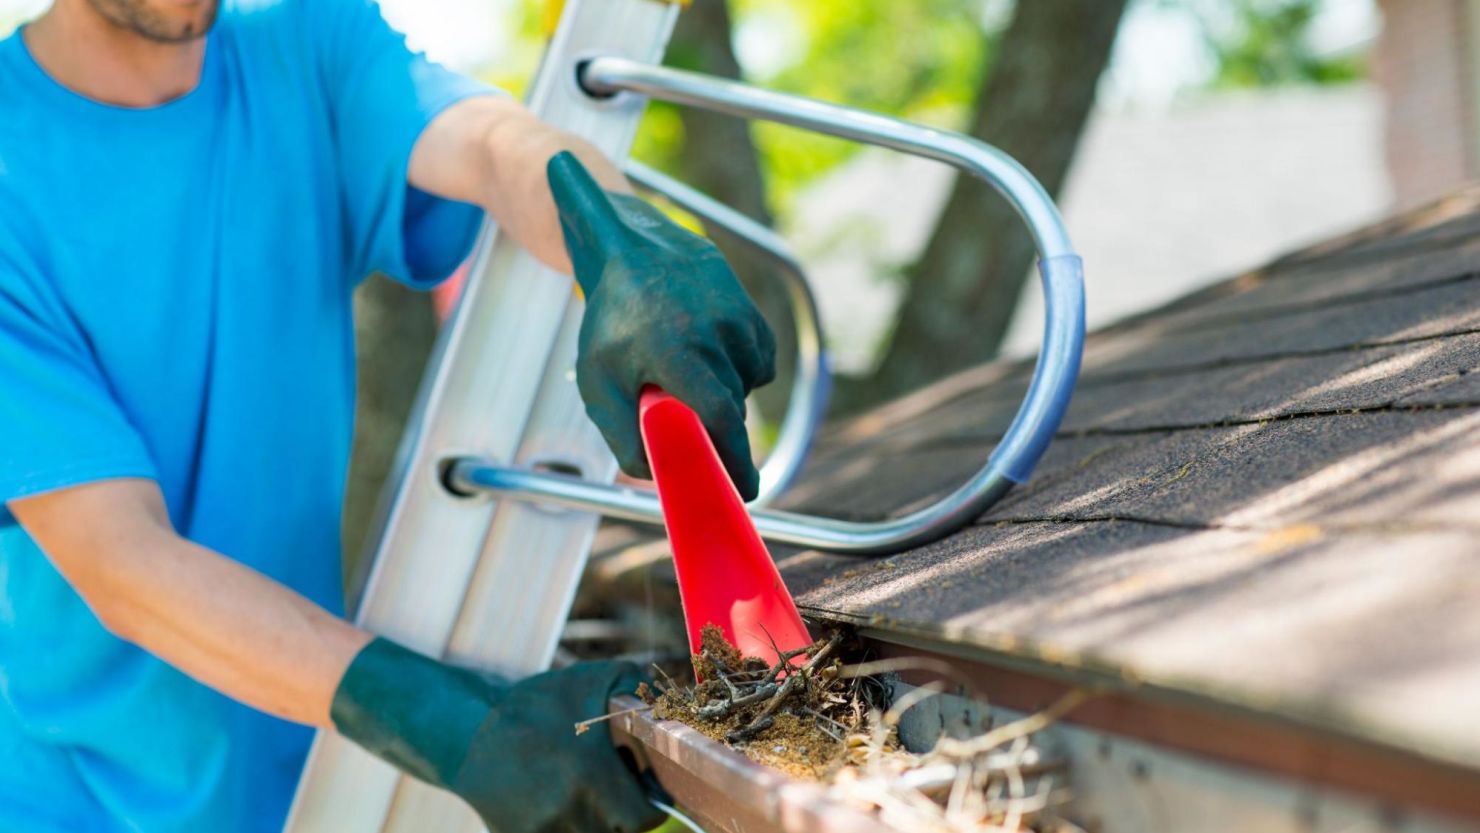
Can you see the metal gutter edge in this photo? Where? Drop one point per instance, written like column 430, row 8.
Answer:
column 1266, row 743
column 725, row 791
column 1070, row 669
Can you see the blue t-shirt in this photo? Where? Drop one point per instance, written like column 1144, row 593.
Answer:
column 175, row 304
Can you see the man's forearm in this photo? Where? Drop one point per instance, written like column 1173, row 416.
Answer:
column 493, row 152
column 218, row 621
column 520, row 147
column 236, row 631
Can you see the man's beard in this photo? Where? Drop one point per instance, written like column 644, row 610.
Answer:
column 138, row 17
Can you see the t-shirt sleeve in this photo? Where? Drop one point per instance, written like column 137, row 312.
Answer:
column 381, row 96
column 59, row 423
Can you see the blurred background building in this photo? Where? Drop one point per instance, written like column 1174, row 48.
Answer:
column 1427, row 63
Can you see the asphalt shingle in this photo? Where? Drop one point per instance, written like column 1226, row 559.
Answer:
column 1267, row 494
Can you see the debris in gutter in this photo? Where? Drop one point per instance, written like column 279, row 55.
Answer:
column 1001, row 780
column 812, row 716
column 794, row 715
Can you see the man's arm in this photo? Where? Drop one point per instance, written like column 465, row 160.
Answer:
column 492, row 152
column 222, row 623
column 520, row 766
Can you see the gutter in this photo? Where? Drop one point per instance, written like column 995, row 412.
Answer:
column 723, row 790
column 1136, row 763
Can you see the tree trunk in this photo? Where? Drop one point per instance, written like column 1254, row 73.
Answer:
column 394, row 331
column 719, row 158
column 964, row 288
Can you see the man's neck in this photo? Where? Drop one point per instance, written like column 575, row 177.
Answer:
column 92, row 56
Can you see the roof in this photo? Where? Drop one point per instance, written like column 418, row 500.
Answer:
column 1266, row 495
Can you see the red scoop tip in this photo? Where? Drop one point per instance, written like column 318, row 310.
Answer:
column 725, row 574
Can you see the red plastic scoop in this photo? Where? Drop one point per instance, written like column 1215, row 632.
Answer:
column 725, row 575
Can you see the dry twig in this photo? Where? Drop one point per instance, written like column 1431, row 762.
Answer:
column 585, row 725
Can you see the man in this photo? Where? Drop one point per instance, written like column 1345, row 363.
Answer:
column 184, row 211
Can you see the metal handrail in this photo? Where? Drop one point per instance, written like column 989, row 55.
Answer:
column 1053, row 377
column 813, row 380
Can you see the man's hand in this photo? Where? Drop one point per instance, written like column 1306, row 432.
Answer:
column 662, row 308
column 510, row 751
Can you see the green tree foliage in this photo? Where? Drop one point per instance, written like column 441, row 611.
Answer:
column 528, row 22
column 1267, row 43
column 919, row 60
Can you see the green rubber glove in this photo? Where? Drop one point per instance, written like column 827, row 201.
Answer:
column 508, row 750
column 662, row 308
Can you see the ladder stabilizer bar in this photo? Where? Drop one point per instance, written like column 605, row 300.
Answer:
column 1032, row 428
column 474, row 476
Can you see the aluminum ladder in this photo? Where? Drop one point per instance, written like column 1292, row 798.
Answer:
column 501, row 479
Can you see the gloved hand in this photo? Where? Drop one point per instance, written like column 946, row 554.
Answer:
column 662, row 308
column 508, row 750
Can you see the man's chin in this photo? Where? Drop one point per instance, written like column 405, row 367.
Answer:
column 162, row 21
column 189, row 24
